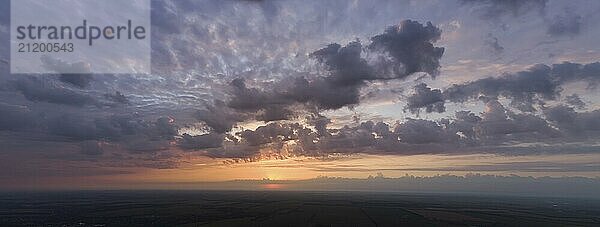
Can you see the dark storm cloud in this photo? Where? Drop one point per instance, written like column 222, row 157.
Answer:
column 211, row 140
column 111, row 128
column 270, row 133
column 347, row 73
column 254, row 99
column 425, row 97
column 414, row 136
column 348, row 139
column 526, row 89
column 418, row 131
column 408, row 47
column 324, row 93
column 320, row 123
column 246, row 145
column 39, row 89
column 200, row 47
column 42, row 123
column 464, row 123
column 495, row 9
column 568, row 24
column 574, row 123
column 54, row 122
column 467, row 132
column 79, row 80
column 77, row 74
column 411, row 45
column 274, row 113
column 45, row 89
column 220, row 117
column 54, row 114
column 498, row 124
column 347, row 67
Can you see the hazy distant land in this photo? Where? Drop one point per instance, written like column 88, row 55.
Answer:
column 469, row 184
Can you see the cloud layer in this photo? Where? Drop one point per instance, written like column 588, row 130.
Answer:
column 247, row 80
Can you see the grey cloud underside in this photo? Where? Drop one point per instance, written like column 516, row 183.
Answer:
column 256, row 60
column 584, row 124
column 77, row 126
column 78, row 80
column 45, row 89
column 526, row 89
column 494, row 131
column 81, row 79
column 42, row 105
column 424, row 97
column 397, row 53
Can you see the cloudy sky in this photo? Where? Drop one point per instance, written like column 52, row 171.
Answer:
column 298, row 89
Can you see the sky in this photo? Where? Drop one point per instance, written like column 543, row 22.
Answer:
column 293, row 90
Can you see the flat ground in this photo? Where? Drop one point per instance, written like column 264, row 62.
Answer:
column 276, row 208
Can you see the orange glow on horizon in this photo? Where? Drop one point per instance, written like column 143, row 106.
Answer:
column 273, row 186
column 196, row 170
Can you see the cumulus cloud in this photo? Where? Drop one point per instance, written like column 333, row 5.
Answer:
column 526, row 89
column 574, row 123
column 320, row 123
column 211, row 140
column 220, row 117
column 498, row 123
column 268, row 73
column 418, row 131
column 491, row 131
column 270, row 133
column 411, row 45
column 409, row 49
column 425, row 97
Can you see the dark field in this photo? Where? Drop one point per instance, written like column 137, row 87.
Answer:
column 275, row 208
